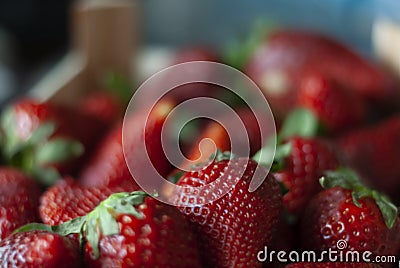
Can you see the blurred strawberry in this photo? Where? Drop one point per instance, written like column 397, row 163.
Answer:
column 280, row 61
column 19, row 200
column 44, row 140
column 375, row 152
column 338, row 108
column 102, row 105
column 38, row 249
column 108, row 166
column 218, row 137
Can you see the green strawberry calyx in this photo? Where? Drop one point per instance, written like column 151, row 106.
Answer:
column 101, row 221
column 348, row 179
column 36, row 153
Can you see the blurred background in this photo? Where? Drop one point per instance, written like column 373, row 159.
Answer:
column 35, row 35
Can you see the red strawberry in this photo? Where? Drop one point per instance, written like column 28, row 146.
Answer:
column 66, row 201
column 19, row 199
column 338, row 108
column 103, row 106
column 217, row 133
column 108, row 166
column 133, row 230
column 347, row 210
column 42, row 139
column 235, row 227
column 144, row 239
column 279, row 63
column 308, row 158
column 375, row 152
column 38, row 249
column 332, row 265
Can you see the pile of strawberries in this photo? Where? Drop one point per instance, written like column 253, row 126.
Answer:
column 67, row 198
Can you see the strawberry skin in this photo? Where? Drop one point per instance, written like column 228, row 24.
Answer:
column 375, row 152
column 38, row 249
column 61, row 134
column 161, row 238
column 279, row 64
column 337, row 108
column 332, row 265
column 308, row 159
column 19, row 200
column 103, row 106
column 332, row 215
column 235, row 227
column 67, row 200
column 108, row 166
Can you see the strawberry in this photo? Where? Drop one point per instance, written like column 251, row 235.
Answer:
column 280, row 61
column 19, row 199
column 67, row 200
column 332, row 265
column 38, row 249
column 375, row 152
column 132, row 230
column 235, row 227
column 303, row 166
column 347, row 210
column 300, row 159
column 108, row 166
column 103, row 106
column 337, row 108
column 45, row 140
column 216, row 133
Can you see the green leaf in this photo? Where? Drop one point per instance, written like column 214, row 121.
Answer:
column 58, row 150
column 174, row 178
column 92, row 233
column 70, row 227
column 238, row 53
column 47, row 176
column 119, row 86
column 221, row 156
column 42, row 133
column 32, row 227
column 263, row 156
column 388, row 209
column 300, row 122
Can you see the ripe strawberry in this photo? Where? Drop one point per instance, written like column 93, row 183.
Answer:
column 67, row 200
column 337, row 108
column 349, row 211
column 108, row 166
column 19, row 199
column 375, row 152
column 279, row 63
column 305, row 163
column 38, row 249
column 132, row 230
column 220, row 138
column 332, row 265
column 103, row 106
column 235, row 227
column 44, row 140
